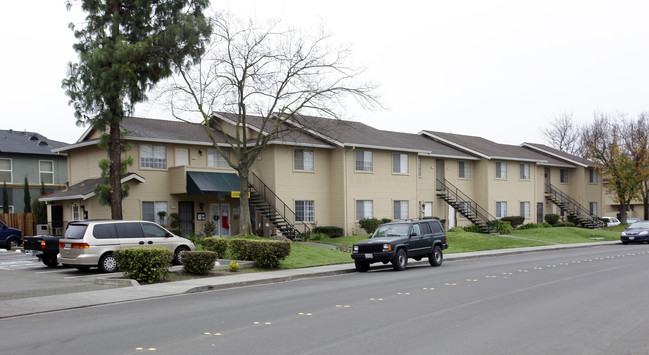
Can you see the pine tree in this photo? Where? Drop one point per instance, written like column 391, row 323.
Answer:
column 27, row 198
column 5, row 198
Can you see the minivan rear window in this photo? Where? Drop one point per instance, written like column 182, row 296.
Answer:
column 75, row 231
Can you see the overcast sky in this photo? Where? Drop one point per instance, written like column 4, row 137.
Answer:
column 496, row 69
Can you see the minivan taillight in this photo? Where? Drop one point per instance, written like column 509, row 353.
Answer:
column 75, row 245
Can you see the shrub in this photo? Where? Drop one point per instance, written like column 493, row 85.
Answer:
column 501, row 227
column 217, row 245
column 551, row 218
column 563, row 224
column 514, row 220
column 233, row 266
column 385, row 220
column 331, row 231
column 144, row 264
column 472, row 229
column 209, row 229
column 530, row 226
column 266, row 253
column 199, row 262
column 174, row 224
column 456, row 229
column 317, row 236
column 369, row 224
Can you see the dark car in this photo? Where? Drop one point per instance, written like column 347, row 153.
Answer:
column 637, row 232
column 10, row 238
column 396, row 242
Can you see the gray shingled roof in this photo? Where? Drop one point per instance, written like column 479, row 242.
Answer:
column 84, row 189
column 555, row 153
column 17, row 142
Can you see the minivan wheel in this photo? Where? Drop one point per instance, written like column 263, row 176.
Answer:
column 400, row 260
column 436, row 257
column 107, row 263
column 177, row 257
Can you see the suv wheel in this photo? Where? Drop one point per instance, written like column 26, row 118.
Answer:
column 400, row 260
column 362, row 266
column 436, row 257
column 50, row 260
column 12, row 243
column 107, row 263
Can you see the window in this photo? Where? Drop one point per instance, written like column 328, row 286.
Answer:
column 400, row 209
column 563, row 176
column 501, row 209
column 501, row 170
column 525, row 209
column 182, row 156
column 400, row 163
column 304, row 211
column 464, row 170
column 364, row 209
column 592, row 176
column 465, row 209
column 46, row 171
column 215, row 159
column 75, row 212
column 364, row 160
column 150, row 211
column 153, row 156
column 303, row 159
column 525, row 171
column 593, row 208
column 5, row 170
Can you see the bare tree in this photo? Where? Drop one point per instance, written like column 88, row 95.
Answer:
column 636, row 140
column 254, row 84
column 605, row 145
column 564, row 135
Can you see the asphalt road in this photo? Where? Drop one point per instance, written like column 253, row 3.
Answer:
column 581, row 301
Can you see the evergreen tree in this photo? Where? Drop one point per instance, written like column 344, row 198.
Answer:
column 27, row 198
column 125, row 47
column 5, row 198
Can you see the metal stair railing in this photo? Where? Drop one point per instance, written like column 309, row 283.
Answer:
column 570, row 205
column 278, row 206
column 476, row 213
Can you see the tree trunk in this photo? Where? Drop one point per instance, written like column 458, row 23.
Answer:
column 245, row 226
column 623, row 205
column 115, row 156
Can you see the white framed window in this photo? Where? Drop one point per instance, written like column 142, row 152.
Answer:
column 464, row 169
column 303, row 160
column 76, row 212
column 182, row 156
column 592, row 176
column 150, row 211
column 153, row 156
column 465, row 207
column 46, row 171
column 305, row 211
column 401, row 209
column 524, row 171
column 593, row 208
column 525, row 209
column 364, row 160
column 563, row 176
column 501, row 170
column 501, row 209
column 214, row 159
column 364, row 209
column 5, row 170
column 400, row 163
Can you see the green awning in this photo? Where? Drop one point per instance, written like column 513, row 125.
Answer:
column 204, row 183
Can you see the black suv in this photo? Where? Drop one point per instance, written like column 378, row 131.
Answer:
column 398, row 241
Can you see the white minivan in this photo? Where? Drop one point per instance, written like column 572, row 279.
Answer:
column 90, row 243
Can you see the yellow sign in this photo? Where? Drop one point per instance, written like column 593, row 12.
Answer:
column 237, row 194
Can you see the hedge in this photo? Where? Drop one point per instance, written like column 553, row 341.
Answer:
column 266, row 253
column 552, row 218
column 331, row 231
column 514, row 220
column 199, row 262
column 217, row 245
column 144, row 264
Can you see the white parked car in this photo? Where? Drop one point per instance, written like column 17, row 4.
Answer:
column 611, row 221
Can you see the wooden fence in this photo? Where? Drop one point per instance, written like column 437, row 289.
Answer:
column 23, row 221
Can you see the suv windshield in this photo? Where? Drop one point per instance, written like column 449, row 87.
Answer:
column 392, row 230
column 75, row 231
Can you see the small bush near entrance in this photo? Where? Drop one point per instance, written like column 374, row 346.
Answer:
column 501, row 227
column 514, row 220
column 552, row 218
column 199, row 262
column 266, row 253
column 144, row 264
column 331, row 231
column 472, row 229
column 369, row 224
column 217, row 245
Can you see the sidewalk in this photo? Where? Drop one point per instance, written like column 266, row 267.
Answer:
column 26, row 306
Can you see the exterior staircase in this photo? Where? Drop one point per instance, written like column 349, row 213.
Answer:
column 572, row 208
column 280, row 215
column 465, row 205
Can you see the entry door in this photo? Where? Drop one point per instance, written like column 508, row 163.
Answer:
column 539, row 212
column 186, row 212
column 226, row 220
column 428, row 209
column 451, row 217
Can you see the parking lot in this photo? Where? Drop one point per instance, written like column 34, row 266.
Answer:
column 23, row 276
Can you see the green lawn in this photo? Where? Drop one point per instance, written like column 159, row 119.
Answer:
column 567, row 235
column 462, row 242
